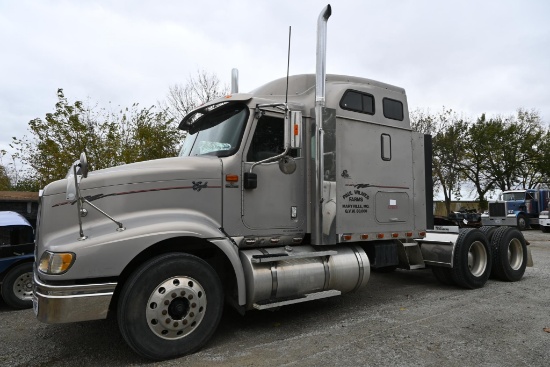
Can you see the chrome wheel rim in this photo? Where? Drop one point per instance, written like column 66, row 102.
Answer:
column 477, row 259
column 176, row 307
column 515, row 254
column 22, row 287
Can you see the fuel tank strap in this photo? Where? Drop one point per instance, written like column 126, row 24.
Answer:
column 274, row 281
column 361, row 268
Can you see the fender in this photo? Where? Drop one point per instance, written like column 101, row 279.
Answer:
column 106, row 251
column 9, row 262
column 231, row 251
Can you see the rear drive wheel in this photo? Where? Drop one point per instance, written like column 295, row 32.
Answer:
column 488, row 231
column 17, row 286
column 170, row 306
column 522, row 222
column 471, row 259
column 509, row 254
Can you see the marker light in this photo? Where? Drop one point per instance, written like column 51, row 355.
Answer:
column 56, row 262
column 232, row 178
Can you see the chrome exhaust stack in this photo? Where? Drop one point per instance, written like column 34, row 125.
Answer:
column 320, row 75
column 234, row 81
column 320, row 81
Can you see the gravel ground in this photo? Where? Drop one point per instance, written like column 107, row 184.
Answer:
column 405, row 318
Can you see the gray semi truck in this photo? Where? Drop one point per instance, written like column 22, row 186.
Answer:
column 290, row 193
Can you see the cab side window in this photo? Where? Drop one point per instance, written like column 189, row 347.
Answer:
column 268, row 140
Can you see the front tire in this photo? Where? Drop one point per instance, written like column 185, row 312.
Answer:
column 544, row 229
column 522, row 222
column 170, row 306
column 17, row 287
column 471, row 259
column 509, row 254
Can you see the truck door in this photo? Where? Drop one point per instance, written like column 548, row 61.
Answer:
column 279, row 200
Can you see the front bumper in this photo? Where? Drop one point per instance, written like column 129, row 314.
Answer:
column 510, row 220
column 71, row 303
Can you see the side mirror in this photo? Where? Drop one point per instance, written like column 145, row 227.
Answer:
column 293, row 130
column 83, row 165
column 80, row 168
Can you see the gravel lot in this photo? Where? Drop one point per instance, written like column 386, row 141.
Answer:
column 405, row 318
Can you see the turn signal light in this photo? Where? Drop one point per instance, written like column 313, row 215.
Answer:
column 232, row 178
column 56, row 262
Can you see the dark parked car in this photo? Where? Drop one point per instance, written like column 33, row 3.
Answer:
column 16, row 259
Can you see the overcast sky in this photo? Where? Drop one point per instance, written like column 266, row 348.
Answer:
column 471, row 56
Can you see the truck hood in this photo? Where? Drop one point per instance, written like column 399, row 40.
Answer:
column 167, row 169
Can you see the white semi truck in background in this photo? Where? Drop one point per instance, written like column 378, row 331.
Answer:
column 290, row 193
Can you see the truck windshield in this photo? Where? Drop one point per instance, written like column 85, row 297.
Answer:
column 513, row 196
column 217, row 132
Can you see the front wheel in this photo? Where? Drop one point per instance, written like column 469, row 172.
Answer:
column 522, row 222
column 471, row 259
column 17, row 287
column 545, row 229
column 170, row 306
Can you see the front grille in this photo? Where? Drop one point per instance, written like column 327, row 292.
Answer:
column 497, row 209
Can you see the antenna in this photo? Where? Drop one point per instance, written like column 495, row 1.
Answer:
column 288, row 63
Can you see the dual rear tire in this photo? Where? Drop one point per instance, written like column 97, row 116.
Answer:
column 499, row 252
column 509, row 254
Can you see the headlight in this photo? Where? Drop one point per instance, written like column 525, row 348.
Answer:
column 510, row 212
column 56, row 262
column 544, row 214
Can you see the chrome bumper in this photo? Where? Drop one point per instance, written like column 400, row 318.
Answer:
column 71, row 303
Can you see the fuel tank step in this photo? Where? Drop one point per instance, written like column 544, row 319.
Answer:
column 265, row 258
column 284, row 301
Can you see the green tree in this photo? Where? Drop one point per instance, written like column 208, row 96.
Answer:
column 5, row 184
column 543, row 159
column 474, row 163
column 512, row 150
column 529, row 124
column 448, row 130
column 201, row 88
column 108, row 138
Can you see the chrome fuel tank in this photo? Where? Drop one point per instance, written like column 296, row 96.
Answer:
column 284, row 272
